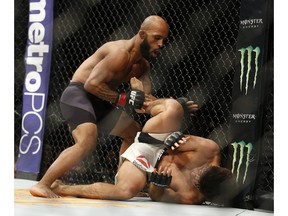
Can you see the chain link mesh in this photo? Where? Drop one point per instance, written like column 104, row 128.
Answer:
column 197, row 63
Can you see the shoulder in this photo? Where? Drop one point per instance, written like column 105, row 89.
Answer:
column 198, row 143
column 204, row 141
column 115, row 53
column 117, row 48
column 212, row 145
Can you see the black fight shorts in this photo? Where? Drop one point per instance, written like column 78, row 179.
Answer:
column 78, row 106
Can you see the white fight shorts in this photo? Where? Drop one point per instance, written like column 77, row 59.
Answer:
column 144, row 155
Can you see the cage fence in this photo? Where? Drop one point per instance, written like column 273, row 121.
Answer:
column 197, row 62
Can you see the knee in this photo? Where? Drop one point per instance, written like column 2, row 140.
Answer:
column 82, row 148
column 89, row 144
column 126, row 195
column 89, row 147
column 127, row 192
column 85, row 140
column 130, row 132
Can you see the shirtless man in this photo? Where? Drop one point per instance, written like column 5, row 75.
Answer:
column 197, row 175
column 193, row 162
column 91, row 101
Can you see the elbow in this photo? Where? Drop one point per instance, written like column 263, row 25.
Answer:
column 191, row 199
column 213, row 147
column 87, row 86
column 153, row 198
column 154, row 193
column 91, row 87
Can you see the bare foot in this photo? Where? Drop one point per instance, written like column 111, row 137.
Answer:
column 56, row 186
column 41, row 190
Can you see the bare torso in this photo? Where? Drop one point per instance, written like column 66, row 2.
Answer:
column 197, row 152
column 117, row 71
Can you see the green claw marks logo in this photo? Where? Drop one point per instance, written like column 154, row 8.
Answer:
column 243, row 156
column 249, row 52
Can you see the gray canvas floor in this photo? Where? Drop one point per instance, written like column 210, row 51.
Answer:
column 27, row 205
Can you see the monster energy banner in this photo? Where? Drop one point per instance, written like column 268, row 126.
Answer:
column 248, row 90
column 35, row 90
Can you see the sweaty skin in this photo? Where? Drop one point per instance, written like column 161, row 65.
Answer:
column 118, row 61
column 167, row 116
column 112, row 64
column 101, row 74
column 186, row 164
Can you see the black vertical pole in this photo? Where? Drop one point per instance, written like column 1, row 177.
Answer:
column 248, row 95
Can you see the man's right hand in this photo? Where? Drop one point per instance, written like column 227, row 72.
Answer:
column 189, row 106
column 134, row 98
column 137, row 85
column 161, row 177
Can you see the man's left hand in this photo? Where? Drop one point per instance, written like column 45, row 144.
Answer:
column 192, row 107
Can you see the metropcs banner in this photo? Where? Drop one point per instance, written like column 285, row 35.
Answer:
column 36, row 84
column 248, row 93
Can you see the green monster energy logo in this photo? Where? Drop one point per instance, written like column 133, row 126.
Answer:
column 241, row 146
column 249, row 51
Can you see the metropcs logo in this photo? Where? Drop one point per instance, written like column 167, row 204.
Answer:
column 34, row 94
column 249, row 58
column 242, row 155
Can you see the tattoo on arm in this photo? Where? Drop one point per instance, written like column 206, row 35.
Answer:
column 104, row 92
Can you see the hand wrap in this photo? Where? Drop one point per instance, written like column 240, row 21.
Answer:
column 160, row 180
column 183, row 101
column 173, row 138
column 133, row 98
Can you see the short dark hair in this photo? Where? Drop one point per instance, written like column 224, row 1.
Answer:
column 218, row 185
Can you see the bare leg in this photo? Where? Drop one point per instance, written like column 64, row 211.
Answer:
column 126, row 128
column 167, row 113
column 167, row 116
column 127, row 186
column 85, row 137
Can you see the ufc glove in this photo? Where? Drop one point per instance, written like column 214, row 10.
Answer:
column 173, row 138
column 133, row 98
column 160, row 180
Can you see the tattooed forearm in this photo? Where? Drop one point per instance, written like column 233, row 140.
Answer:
column 104, row 92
